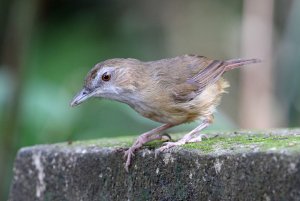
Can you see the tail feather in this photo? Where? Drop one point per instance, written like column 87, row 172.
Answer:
column 235, row 63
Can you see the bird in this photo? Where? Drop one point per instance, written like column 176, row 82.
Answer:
column 171, row 91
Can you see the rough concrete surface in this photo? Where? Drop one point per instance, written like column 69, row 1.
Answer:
column 226, row 166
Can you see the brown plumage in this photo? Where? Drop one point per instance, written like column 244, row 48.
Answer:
column 171, row 91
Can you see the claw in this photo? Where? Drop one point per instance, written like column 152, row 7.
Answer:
column 168, row 145
column 161, row 149
column 128, row 155
column 128, row 152
column 166, row 137
column 127, row 163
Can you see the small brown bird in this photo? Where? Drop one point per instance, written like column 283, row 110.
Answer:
column 171, row 91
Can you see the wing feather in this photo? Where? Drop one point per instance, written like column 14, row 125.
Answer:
column 188, row 75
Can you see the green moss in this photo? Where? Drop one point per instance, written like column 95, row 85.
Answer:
column 104, row 142
column 222, row 142
column 259, row 142
column 124, row 141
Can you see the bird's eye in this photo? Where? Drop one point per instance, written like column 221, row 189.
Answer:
column 106, row 77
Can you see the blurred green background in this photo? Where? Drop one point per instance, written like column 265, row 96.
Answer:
column 47, row 47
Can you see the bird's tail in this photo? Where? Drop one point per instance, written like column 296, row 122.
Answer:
column 235, row 63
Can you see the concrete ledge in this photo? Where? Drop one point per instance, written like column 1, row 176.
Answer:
column 227, row 166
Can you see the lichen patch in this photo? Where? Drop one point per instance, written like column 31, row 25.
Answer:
column 41, row 185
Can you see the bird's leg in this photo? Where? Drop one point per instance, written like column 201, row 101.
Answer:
column 144, row 138
column 192, row 136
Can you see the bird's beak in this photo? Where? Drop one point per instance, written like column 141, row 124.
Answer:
column 80, row 97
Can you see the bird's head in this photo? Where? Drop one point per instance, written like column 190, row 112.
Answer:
column 111, row 79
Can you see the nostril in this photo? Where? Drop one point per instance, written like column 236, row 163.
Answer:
column 85, row 92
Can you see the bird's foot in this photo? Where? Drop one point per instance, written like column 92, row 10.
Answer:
column 168, row 145
column 128, row 155
column 141, row 140
column 184, row 140
column 197, row 138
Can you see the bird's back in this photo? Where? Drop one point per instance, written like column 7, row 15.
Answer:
column 179, row 69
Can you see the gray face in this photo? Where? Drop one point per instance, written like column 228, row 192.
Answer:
column 98, row 83
column 111, row 79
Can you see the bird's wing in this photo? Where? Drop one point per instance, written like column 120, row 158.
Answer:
column 210, row 74
column 187, row 76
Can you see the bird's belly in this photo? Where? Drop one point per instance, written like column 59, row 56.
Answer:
column 171, row 115
column 155, row 114
column 164, row 117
